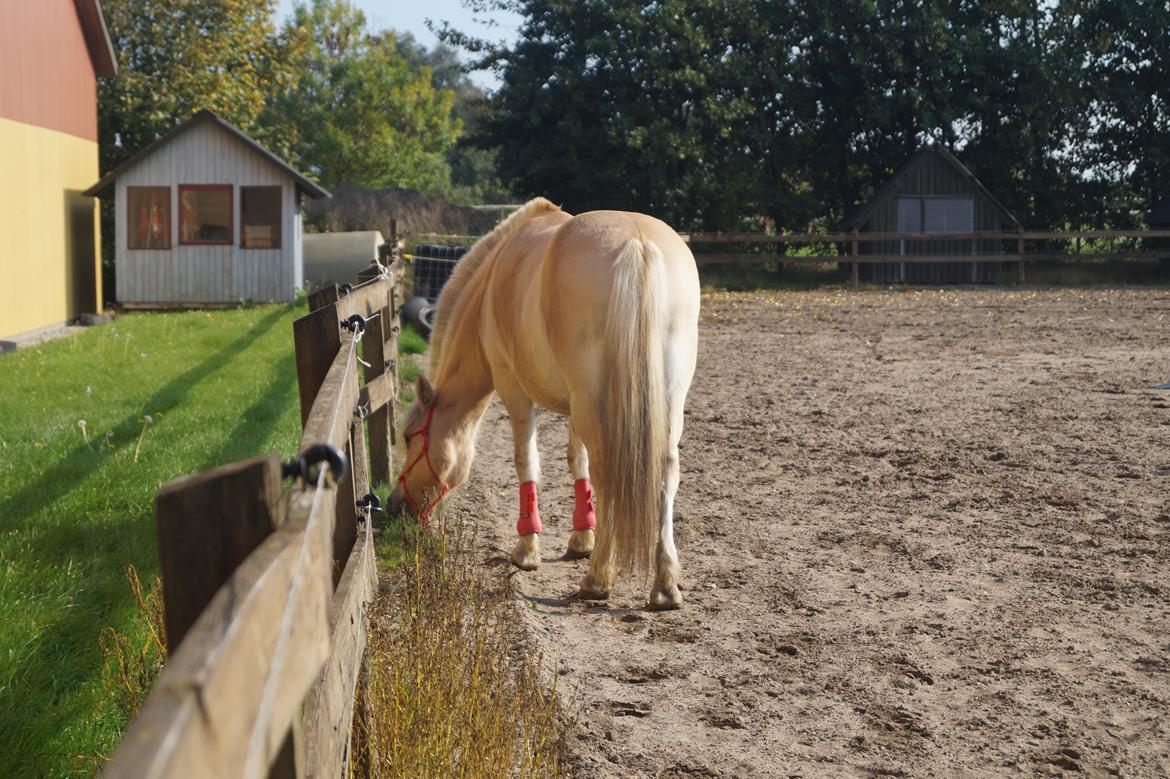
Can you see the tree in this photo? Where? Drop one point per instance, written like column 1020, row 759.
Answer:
column 178, row 56
column 358, row 112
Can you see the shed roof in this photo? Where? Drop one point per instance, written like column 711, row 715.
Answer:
column 860, row 216
column 97, row 37
column 105, row 185
column 1159, row 215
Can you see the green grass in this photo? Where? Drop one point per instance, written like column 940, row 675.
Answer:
column 219, row 387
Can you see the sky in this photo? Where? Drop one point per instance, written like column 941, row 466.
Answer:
column 411, row 16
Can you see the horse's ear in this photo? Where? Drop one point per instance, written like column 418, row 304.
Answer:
column 424, row 391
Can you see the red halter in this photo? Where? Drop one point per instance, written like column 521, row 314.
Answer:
column 423, row 513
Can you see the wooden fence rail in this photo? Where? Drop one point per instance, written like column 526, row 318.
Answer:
column 265, row 587
column 1015, row 247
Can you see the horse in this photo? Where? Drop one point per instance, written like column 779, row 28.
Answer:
column 595, row 317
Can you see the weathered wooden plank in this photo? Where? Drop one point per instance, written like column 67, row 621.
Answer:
column 374, row 397
column 991, row 235
column 322, row 296
column 328, row 714
column 760, row 259
column 316, row 339
column 329, row 417
column 228, row 696
column 207, row 525
column 366, row 299
column 377, row 394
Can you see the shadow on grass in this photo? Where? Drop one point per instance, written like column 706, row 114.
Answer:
column 42, row 697
column 64, row 475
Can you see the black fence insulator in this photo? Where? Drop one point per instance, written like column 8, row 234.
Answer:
column 370, row 502
column 300, row 467
column 356, row 324
column 344, row 289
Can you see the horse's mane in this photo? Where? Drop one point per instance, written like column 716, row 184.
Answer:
column 465, row 270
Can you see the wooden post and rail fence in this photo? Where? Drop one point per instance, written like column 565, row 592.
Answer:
column 1016, row 240
column 265, row 585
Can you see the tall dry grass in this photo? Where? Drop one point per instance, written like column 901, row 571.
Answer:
column 132, row 663
column 454, row 688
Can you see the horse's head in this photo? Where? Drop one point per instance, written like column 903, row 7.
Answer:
column 440, row 446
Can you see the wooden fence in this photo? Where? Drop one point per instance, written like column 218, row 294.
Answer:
column 1013, row 247
column 265, row 587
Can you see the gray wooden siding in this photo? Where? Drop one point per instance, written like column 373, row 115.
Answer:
column 208, row 274
column 933, row 176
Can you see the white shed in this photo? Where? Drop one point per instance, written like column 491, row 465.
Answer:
column 206, row 215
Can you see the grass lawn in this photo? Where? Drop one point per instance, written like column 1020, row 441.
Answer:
column 219, row 386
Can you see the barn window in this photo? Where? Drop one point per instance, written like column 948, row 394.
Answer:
column 205, row 213
column 260, row 217
column 149, row 217
column 936, row 215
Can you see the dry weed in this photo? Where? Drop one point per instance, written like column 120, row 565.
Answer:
column 454, row 687
column 132, row 664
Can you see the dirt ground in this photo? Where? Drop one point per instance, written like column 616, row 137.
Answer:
column 922, row 534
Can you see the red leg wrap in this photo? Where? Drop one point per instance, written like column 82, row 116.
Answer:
column 529, row 514
column 584, row 517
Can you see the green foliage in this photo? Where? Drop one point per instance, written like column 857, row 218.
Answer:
column 358, row 112
column 176, row 57
column 708, row 111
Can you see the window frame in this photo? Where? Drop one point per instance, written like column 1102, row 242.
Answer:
column 130, row 220
column 279, row 217
column 230, row 210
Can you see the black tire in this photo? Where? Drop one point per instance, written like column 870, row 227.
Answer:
column 412, row 308
column 426, row 320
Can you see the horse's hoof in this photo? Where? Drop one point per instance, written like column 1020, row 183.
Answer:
column 591, row 589
column 665, row 599
column 526, row 553
column 580, row 545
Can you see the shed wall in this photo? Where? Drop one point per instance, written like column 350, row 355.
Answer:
column 207, row 273
column 933, row 176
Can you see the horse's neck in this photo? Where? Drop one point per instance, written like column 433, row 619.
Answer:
column 464, row 378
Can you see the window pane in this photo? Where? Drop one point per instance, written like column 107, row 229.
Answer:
column 909, row 214
column 148, row 213
column 205, row 214
column 260, row 217
column 950, row 215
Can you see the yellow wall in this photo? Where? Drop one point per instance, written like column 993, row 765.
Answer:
column 50, row 267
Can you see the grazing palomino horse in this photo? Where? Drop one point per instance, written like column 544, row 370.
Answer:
column 594, row 317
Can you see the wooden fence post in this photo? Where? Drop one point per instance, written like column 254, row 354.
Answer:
column 1020, row 252
column 316, row 339
column 374, row 352
column 854, row 252
column 207, row 524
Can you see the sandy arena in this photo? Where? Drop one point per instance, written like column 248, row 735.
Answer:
column 922, row 534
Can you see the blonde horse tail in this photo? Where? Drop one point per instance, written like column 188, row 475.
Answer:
column 635, row 415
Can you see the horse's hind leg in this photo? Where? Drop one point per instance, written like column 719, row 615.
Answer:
column 679, row 371
column 584, row 519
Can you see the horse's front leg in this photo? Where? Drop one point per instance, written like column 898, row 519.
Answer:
column 526, row 553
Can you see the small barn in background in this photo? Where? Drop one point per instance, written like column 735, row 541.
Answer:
column 206, row 215
column 932, row 192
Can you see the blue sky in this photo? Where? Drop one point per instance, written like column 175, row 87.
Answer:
column 411, row 15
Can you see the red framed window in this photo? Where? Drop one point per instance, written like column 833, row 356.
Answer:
column 260, row 217
column 148, row 217
column 205, row 214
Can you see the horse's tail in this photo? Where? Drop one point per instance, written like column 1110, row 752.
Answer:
column 635, row 410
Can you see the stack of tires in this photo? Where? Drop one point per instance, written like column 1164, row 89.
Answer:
column 433, row 265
